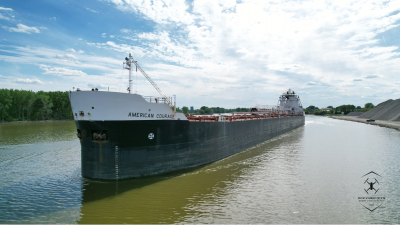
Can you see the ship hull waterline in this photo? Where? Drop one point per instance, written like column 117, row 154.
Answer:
column 151, row 147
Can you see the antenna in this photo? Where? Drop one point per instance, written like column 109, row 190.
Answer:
column 128, row 65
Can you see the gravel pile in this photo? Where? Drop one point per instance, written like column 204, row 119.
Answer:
column 355, row 114
column 388, row 110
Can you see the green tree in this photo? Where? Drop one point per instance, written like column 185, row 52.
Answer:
column 345, row 108
column 47, row 104
column 36, row 109
column 185, row 110
column 311, row 109
column 29, row 103
column 21, row 105
column 5, row 103
column 369, row 106
column 320, row 113
column 208, row 111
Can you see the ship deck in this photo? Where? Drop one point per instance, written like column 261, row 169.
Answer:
column 230, row 118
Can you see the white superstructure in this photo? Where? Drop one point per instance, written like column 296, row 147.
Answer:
column 111, row 106
column 290, row 102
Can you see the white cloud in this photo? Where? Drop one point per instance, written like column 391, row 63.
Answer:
column 357, row 80
column 125, row 30
column 311, row 83
column 71, row 50
column 66, row 56
column 372, row 76
column 71, row 73
column 152, row 36
column 6, row 9
column 169, row 11
column 23, row 29
column 279, row 43
column 103, row 34
column 53, row 18
column 7, row 13
column 4, row 17
column 60, row 71
column 112, row 36
column 81, row 51
column 91, row 10
column 28, row 81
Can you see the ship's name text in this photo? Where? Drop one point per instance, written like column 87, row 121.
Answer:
column 150, row 115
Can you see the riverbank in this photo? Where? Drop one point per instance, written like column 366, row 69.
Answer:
column 33, row 121
column 382, row 123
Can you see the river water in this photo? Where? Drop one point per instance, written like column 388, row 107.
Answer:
column 313, row 174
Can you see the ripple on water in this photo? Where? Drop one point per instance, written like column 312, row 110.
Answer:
column 40, row 173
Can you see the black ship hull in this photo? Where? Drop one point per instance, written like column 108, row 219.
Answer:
column 149, row 147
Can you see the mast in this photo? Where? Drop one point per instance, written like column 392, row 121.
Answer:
column 128, row 65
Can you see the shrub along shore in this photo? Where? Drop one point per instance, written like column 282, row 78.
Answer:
column 21, row 105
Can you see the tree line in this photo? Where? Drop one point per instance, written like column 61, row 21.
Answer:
column 346, row 109
column 21, row 105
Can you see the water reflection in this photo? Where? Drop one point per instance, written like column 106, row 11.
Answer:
column 36, row 132
column 168, row 198
column 94, row 190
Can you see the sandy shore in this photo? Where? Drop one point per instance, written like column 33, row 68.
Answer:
column 382, row 123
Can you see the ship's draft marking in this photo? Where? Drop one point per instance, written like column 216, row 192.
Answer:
column 151, row 136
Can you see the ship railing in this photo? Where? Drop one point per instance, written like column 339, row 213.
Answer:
column 271, row 109
column 236, row 116
column 152, row 99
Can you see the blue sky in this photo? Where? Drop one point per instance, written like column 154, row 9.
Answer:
column 213, row 53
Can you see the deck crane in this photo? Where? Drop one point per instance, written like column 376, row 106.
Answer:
column 128, row 65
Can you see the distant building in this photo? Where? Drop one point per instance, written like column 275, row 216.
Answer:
column 191, row 109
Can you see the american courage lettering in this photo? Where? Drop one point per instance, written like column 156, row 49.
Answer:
column 149, row 115
column 145, row 115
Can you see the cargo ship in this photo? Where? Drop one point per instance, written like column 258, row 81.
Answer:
column 127, row 135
